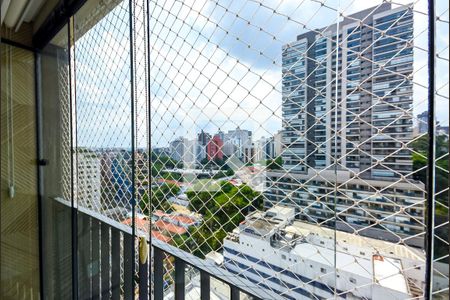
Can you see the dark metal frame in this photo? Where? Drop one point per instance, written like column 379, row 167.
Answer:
column 207, row 270
column 74, row 210
column 58, row 18
column 431, row 151
column 16, row 44
column 38, row 103
column 133, row 150
column 61, row 16
column 149, row 190
column 39, row 161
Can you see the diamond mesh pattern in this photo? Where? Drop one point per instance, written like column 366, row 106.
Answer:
column 110, row 107
column 441, row 234
column 64, row 96
column 103, row 111
column 288, row 139
column 344, row 153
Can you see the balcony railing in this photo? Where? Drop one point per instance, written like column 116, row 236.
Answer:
column 106, row 268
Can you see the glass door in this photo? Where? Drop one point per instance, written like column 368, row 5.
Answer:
column 19, row 250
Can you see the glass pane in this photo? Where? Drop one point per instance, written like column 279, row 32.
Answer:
column 57, row 170
column 19, row 250
column 288, row 145
column 442, row 180
column 104, row 158
column 290, row 151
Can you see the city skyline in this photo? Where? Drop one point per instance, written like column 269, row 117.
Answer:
column 208, row 107
column 418, row 119
column 211, row 119
column 356, row 197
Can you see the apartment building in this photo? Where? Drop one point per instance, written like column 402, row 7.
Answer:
column 362, row 117
column 375, row 208
column 87, row 187
column 346, row 140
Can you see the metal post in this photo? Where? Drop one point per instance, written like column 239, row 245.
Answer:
column 115, row 264
column 431, row 152
column 149, row 136
column 133, row 158
column 38, row 98
column 205, row 285
column 73, row 144
column 158, row 274
column 234, row 293
column 180, row 281
column 143, row 280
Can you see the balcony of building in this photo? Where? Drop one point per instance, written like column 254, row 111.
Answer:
column 168, row 149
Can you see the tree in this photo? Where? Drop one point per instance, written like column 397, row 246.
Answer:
column 172, row 176
column 160, row 196
column 222, row 211
column 229, row 172
column 223, row 173
column 274, row 164
column 420, row 162
column 159, row 163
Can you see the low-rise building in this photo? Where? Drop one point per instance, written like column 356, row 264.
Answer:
column 298, row 260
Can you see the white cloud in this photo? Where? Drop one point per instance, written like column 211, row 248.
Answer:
column 211, row 69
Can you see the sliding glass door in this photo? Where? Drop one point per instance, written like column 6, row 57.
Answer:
column 19, row 251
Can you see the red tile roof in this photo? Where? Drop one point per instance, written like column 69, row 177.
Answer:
column 159, row 213
column 158, row 235
column 162, row 225
column 141, row 224
column 183, row 219
column 178, row 218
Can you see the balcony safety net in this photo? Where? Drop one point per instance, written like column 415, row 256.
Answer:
column 284, row 143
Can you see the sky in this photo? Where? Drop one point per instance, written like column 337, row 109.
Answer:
column 214, row 65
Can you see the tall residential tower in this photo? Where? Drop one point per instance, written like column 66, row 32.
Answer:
column 365, row 115
column 347, row 137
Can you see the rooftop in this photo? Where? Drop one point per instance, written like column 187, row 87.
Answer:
column 169, row 227
column 369, row 258
column 264, row 223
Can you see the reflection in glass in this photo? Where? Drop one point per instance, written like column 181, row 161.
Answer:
column 19, row 250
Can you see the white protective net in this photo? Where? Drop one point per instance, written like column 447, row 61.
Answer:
column 288, row 139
